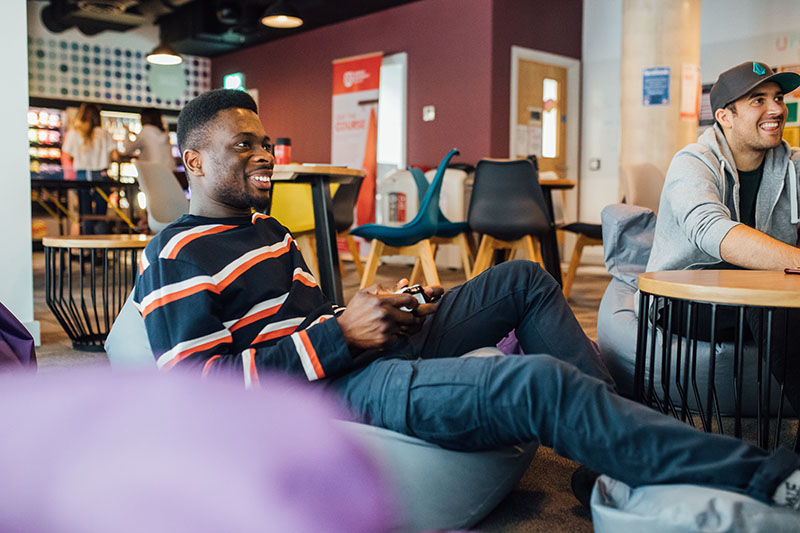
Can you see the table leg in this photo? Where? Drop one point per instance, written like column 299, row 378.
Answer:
column 325, row 231
column 550, row 255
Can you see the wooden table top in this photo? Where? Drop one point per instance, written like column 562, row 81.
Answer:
column 560, row 183
column 97, row 241
column 764, row 288
column 290, row 172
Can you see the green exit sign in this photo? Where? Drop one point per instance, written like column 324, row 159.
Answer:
column 234, row 81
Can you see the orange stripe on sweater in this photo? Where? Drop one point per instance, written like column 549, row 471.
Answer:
column 283, row 332
column 209, row 364
column 312, row 354
column 238, row 271
column 253, row 370
column 186, row 353
column 254, row 317
column 189, row 238
column 155, row 304
column 304, row 280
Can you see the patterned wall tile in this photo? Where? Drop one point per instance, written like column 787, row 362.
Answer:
column 105, row 74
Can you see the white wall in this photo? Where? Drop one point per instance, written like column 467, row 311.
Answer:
column 16, row 268
column 731, row 32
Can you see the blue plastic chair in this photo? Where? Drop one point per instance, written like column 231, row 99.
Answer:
column 447, row 232
column 412, row 238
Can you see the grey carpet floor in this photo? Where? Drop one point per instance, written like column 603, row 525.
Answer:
column 541, row 502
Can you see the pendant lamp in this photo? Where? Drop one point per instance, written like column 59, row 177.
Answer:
column 281, row 15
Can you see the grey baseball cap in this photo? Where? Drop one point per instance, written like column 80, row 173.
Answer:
column 741, row 79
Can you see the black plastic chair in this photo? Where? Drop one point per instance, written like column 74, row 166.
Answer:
column 344, row 202
column 508, row 208
column 588, row 235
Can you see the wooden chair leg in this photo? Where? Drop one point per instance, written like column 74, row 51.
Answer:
column 569, row 278
column 373, row 261
column 353, row 247
column 427, row 262
column 527, row 244
column 416, row 272
column 307, row 245
column 466, row 253
column 483, row 260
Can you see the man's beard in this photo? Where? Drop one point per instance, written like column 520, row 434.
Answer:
column 244, row 201
column 262, row 205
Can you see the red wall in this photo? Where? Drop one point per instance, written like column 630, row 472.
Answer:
column 457, row 52
column 546, row 26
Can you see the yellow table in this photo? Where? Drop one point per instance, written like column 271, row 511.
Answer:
column 320, row 177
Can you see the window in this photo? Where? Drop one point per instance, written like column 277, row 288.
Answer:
column 549, row 117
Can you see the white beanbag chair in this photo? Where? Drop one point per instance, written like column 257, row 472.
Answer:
column 439, row 488
column 617, row 508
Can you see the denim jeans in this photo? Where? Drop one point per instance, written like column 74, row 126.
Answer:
column 560, row 395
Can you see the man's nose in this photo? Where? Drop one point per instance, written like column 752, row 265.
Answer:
column 265, row 155
column 777, row 107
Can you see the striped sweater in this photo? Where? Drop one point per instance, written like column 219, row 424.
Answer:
column 234, row 295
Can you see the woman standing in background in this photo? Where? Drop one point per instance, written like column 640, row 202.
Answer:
column 153, row 141
column 91, row 149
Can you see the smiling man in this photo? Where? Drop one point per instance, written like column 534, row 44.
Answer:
column 731, row 198
column 730, row 201
column 225, row 291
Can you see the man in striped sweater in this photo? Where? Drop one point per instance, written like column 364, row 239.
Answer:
column 222, row 290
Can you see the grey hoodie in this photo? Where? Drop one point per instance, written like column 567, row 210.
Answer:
column 700, row 202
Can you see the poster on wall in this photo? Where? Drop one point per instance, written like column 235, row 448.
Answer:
column 354, row 133
column 690, row 91
column 655, row 86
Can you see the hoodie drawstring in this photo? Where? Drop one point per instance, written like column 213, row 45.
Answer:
column 793, row 192
column 724, row 180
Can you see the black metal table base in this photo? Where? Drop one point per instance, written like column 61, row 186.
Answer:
column 679, row 371
column 85, row 289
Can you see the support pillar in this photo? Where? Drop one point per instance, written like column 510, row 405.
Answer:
column 657, row 33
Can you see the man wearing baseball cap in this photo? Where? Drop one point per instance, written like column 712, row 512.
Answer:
column 732, row 197
column 730, row 200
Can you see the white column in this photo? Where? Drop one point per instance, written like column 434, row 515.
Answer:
column 16, row 266
column 656, row 33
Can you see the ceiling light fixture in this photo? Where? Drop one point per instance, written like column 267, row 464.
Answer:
column 281, row 15
column 163, row 54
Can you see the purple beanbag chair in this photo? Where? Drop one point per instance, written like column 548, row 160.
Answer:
column 131, row 452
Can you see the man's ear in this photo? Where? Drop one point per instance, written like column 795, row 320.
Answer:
column 193, row 161
column 723, row 116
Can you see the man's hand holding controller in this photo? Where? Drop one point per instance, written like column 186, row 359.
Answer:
column 419, row 293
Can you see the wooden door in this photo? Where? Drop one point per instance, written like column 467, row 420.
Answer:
column 542, row 114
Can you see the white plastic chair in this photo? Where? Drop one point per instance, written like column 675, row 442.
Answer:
column 166, row 201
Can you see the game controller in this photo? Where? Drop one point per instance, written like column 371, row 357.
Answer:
column 417, row 292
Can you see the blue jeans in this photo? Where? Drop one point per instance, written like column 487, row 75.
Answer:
column 91, row 203
column 561, row 395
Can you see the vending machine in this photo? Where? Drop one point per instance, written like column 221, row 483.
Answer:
column 45, row 135
column 121, row 124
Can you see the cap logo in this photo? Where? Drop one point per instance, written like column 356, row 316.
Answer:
column 758, row 69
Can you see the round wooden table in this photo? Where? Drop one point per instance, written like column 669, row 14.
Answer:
column 681, row 292
column 87, row 280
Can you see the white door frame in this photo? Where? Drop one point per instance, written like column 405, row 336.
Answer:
column 573, row 67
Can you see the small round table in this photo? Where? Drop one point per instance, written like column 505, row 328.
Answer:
column 678, row 293
column 87, row 280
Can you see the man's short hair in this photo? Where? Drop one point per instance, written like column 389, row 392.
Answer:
column 195, row 116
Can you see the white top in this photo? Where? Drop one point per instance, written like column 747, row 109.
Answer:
column 153, row 145
column 94, row 154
